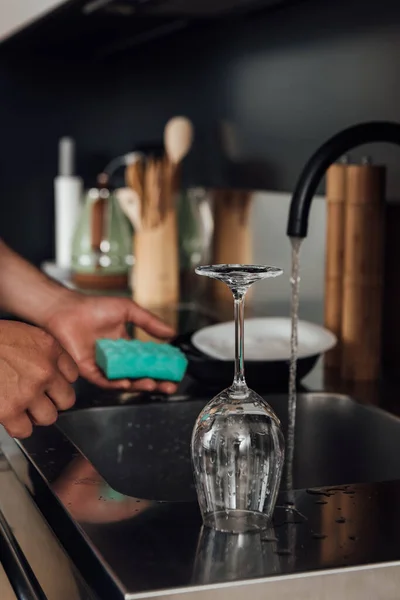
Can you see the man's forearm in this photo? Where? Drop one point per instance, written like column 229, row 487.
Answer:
column 25, row 291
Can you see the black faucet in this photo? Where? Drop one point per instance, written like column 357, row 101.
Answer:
column 332, row 150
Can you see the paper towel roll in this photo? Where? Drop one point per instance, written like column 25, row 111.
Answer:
column 68, row 194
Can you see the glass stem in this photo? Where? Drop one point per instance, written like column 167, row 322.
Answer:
column 239, row 383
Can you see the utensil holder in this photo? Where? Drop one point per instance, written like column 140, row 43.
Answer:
column 155, row 243
column 156, row 275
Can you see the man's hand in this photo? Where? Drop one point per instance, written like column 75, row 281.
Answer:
column 78, row 321
column 35, row 378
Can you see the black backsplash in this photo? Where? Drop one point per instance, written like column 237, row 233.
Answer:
column 286, row 80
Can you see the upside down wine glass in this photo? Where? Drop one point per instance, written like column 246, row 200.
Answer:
column 237, row 442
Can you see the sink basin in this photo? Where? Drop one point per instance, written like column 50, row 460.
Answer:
column 142, row 450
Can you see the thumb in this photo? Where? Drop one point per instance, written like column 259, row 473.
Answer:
column 148, row 322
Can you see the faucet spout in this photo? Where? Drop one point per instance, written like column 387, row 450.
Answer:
column 330, row 151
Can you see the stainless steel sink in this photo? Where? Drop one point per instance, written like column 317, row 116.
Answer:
column 142, row 450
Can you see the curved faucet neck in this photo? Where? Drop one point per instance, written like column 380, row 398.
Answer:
column 332, row 150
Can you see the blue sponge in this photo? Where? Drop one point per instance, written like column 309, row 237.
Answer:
column 132, row 359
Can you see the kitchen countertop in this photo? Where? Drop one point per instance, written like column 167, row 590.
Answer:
column 338, row 542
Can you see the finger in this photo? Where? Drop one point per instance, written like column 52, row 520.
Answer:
column 61, row 392
column 43, row 412
column 67, row 367
column 167, row 387
column 128, row 385
column 148, row 385
column 93, row 374
column 19, row 427
column 148, row 322
column 142, row 385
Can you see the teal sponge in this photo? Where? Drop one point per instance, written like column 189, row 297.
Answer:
column 132, row 359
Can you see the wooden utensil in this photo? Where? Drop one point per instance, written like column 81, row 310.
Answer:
column 153, row 193
column 134, row 178
column 178, row 139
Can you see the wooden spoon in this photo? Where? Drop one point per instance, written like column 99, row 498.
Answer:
column 178, row 138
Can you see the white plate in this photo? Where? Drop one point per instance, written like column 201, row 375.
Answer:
column 266, row 339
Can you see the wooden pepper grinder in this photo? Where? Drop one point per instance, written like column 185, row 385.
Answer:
column 335, row 198
column 363, row 272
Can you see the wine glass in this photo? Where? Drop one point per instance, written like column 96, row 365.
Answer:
column 237, row 442
column 223, row 557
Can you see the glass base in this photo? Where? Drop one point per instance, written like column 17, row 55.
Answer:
column 237, row 521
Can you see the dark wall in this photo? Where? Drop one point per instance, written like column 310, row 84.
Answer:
column 285, row 80
column 37, row 106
